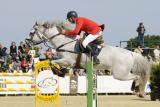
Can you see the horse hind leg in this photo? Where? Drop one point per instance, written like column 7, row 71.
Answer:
column 142, row 84
column 135, row 86
column 138, row 85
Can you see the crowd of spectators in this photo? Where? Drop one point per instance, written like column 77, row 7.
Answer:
column 15, row 58
column 20, row 58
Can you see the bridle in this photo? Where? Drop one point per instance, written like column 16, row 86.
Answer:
column 43, row 39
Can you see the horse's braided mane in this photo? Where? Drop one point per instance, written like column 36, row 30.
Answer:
column 57, row 23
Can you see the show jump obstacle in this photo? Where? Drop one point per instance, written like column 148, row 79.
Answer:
column 22, row 83
column 47, row 86
column 92, row 83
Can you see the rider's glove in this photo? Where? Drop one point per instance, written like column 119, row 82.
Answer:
column 77, row 37
column 63, row 31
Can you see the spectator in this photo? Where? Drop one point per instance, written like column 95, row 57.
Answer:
column 37, row 51
column 24, row 65
column 156, row 52
column 3, row 54
column 49, row 54
column 30, row 64
column 100, row 72
column 107, row 72
column 13, row 51
column 81, row 72
column 17, row 65
column 21, row 50
column 11, row 64
column 32, row 53
column 141, row 30
column 138, row 50
column 41, row 52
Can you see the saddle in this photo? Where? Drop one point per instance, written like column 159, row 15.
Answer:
column 100, row 40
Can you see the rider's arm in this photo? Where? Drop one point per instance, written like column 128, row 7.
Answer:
column 76, row 30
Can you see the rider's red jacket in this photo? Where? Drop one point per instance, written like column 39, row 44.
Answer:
column 86, row 25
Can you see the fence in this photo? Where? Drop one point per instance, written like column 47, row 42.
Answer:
column 105, row 84
column 17, row 83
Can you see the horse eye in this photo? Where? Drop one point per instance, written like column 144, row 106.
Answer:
column 31, row 34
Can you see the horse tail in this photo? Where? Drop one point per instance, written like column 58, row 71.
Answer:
column 142, row 68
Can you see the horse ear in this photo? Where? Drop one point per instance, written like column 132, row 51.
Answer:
column 39, row 23
column 36, row 23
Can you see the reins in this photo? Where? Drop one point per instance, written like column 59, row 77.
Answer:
column 63, row 50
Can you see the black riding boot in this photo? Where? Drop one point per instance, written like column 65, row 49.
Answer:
column 95, row 59
column 89, row 50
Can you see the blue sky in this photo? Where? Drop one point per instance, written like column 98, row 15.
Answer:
column 121, row 17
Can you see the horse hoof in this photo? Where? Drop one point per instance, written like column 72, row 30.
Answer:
column 140, row 95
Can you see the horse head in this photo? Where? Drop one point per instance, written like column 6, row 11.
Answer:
column 43, row 32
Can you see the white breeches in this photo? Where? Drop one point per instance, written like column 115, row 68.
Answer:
column 90, row 38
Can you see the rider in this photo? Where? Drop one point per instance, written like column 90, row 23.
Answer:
column 88, row 26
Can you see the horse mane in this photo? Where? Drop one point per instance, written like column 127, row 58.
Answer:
column 51, row 24
column 57, row 23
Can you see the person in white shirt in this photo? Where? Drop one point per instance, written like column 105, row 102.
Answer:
column 138, row 50
column 156, row 52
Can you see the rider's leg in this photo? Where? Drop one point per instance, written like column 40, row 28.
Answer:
column 88, row 40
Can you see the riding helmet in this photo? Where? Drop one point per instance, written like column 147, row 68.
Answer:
column 72, row 14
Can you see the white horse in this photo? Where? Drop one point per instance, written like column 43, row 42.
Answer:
column 122, row 63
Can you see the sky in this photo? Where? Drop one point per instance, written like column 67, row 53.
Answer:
column 121, row 17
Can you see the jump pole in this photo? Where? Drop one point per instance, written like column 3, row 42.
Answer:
column 91, row 83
